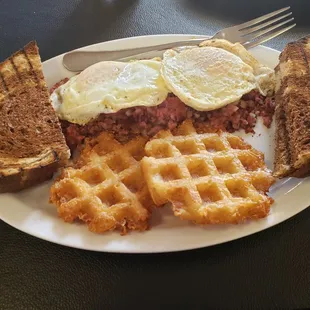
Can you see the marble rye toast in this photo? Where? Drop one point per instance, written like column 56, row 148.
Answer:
column 32, row 145
column 292, row 115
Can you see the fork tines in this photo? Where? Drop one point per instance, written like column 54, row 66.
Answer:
column 266, row 27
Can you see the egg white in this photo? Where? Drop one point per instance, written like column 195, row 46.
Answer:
column 265, row 77
column 214, row 75
column 107, row 87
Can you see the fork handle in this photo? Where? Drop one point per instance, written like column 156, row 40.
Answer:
column 80, row 60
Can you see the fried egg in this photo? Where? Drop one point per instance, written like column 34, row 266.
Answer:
column 215, row 74
column 107, row 87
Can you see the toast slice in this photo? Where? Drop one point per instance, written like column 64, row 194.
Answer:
column 32, row 145
column 292, row 142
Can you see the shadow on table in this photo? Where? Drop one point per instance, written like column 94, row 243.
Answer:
column 87, row 24
column 245, row 10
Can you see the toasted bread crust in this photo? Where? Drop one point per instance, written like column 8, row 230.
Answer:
column 292, row 151
column 27, row 178
column 282, row 160
column 31, row 142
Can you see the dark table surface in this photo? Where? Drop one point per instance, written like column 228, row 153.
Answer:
column 270, row 269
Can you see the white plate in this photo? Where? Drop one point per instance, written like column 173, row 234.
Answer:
column 29, row 210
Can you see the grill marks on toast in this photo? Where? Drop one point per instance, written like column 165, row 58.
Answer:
column 18, row 72
column 32, row 145
column 3, row 90
column 292, row 154
column 305, row 57
column 283, row 155
column 16, row 69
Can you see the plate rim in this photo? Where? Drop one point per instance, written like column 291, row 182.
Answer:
column 148, row 251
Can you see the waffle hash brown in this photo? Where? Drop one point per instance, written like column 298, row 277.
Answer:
column 209, row 178
column 105, row 189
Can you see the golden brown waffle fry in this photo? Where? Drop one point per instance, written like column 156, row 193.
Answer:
column 106, row 189
column 207, row 177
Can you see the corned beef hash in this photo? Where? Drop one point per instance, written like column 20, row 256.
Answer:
column 219, row 84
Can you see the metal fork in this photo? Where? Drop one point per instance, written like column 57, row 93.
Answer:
column 249, row 34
